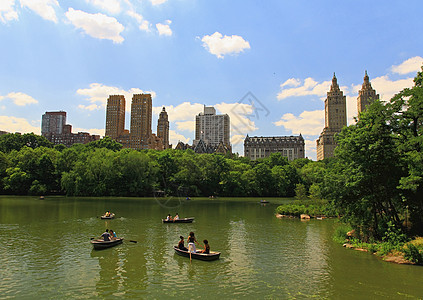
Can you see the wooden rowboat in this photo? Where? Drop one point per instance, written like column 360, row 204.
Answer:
column 104, row 217
column 101, row 244
column 185, row 220
column 201, row 256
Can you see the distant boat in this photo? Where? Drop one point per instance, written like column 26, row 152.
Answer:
column 188, row 198
column 201, row 256
column 41, row 197
column 101, row 244
column 185, row 220
column 264, row 201
column 111, row 216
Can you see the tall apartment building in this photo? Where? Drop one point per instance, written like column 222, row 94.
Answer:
column 53, row 122
column 211, row 128
column 335, row 120
column 115, row 116
column 291, row 147
column 55, row 129
column 163, row 128
column 141, row 115
column 366, row 95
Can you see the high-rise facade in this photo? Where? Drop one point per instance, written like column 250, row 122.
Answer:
column 335, row 120
column 141, row 115
column 163, row 128
column 53, row 122
column 291, row 147
column 366, row 95
column 115, row 116
column 212, row 129
column 55, row 129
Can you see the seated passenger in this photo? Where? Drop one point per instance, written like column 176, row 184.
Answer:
column 181, row 244
column 106, row 235
column 113, row 235
column 176, row 217
column 169, row 217
column 206, row 249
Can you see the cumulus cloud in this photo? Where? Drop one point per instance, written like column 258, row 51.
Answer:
column 8, row 11
column 111, row 6
column 308, row 88
column 144, row 25
column 44, row 8
column 186, row 125
column 14, row 124
column 307, row 123
column 175, row 137
column 96, row 25
column 387, row 88
column 185, row 111
column 411, row 65
column 157, row 2
column 20, row 99
column 98, row 93
column 164, row 29
column 220, row 45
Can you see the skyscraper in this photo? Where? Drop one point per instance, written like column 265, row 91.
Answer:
column 115, row 116
column 335, row 120
column 163, row 128
column 212, row 129
column 53, row 122
column 366, row 95
column 141, row 114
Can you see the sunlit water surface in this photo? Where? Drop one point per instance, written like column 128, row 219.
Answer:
column 45, row 253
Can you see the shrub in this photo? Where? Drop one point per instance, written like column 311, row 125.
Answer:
column 413, row 254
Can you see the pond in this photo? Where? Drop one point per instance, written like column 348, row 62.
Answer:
column 45, row 252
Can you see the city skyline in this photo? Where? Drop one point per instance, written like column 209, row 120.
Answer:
column 71, row 55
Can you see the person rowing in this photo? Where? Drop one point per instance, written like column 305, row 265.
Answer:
column 191, row 242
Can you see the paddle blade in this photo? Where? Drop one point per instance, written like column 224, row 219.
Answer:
column 133, row 241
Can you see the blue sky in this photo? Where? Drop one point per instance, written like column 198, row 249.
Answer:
column 70, row 55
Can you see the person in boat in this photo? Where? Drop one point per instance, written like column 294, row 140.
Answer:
column 206, row 249
column 176, row 217
column 169, row 217
column 107, row 214
column 113, row 235
column 106, row 235
column 181, row 244
column 191, row 242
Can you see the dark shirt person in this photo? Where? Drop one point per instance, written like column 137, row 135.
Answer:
column 106, row 235
column 206, row 249
column 181, row 245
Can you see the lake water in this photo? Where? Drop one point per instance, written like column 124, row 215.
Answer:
column 45, row 253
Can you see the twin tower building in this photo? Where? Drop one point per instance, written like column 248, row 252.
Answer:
column 336, row 114
column 140, row 135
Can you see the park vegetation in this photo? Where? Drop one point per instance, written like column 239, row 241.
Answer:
column 374, row 183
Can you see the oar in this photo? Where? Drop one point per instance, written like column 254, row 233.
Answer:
column 133, row 241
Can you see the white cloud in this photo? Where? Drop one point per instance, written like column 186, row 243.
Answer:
column 44, row 8
column 8, row 11
column 96, row 25
column 220, row 45
column 186, row 125
column 20, row 99
column 387, row 88
column 14, row 124
column 164, row 29
column 291, row 82
column 185, row 111
column 157, row 2
column 98, row 93
column 307, row 123
column 310, row 149
column 310, row 87
column 144, row 25
column 175, row 137
column 411, row 65
column 111, row 6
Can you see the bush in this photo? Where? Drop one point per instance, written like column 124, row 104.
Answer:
column 340, row 234
column 413, row 254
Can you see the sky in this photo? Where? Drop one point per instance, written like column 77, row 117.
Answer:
column 267, row 64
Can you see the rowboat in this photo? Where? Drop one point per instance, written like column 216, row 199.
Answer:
column 201, row 256
column 185, row 220
column 104, row 217
column 264, row 201
column 101, row 244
